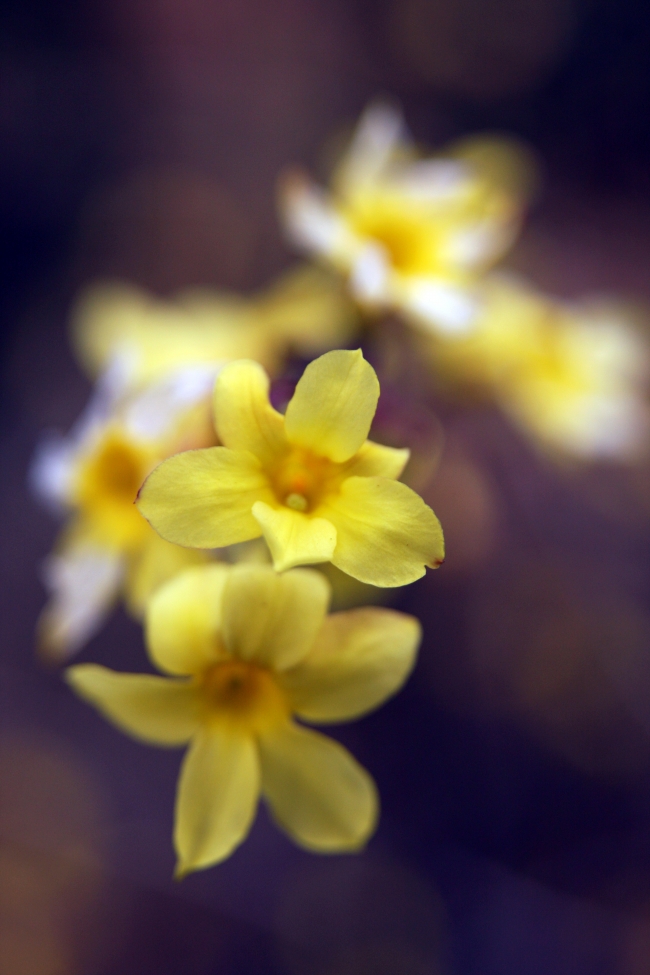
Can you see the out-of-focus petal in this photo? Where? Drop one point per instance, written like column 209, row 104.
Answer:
column 375, row 460
column 84, row 582
column 385, row 534
column 244, row 418
column 333, row 406
column 360, row 658
column 295, row 538
column 155, row 563
column 184, row 618
column 217, row 797
column 376, row 139
column 439, row 306
column 316, row 790
column 203, row 498
column 273, row 619
column 154, row 412
column 311, row 222
column 156, row 710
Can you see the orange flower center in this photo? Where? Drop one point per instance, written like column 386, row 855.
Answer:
column 301, row 479
column 245, row 694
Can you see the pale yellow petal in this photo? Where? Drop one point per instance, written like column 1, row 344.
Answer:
column 385, row 534
column 273, row 619
column 375, row 460
column 156, row 710
column 316, row 790
column 244, row 418
column 217, row 797
column 295, row 538
column 360, row 658
column 183, row 620
column 203, row 498
column 333, row 405
column 152, row 566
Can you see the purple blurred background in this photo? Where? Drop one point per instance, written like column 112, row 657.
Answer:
column 142, row 141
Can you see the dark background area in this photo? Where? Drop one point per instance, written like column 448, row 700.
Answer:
column 142, row 140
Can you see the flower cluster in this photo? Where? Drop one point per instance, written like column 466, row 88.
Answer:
column 182, row 455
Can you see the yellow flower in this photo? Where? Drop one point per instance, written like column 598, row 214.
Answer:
column 305, row 310
column 309, row 482
column 247, row 649
column 94, row 475
column 571, row 375
column 410, row 234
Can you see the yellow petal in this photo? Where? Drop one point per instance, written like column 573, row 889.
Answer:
column 203, row 498
column 157, row 562
column 333, row 405
column 295, row 538
column 316, row 790
column 375, row 460
column 360, row 658
column 244, row 418
column 273, row 619
column 156, row 710
column 217, row 797
column 385, row 533
column 183, row 620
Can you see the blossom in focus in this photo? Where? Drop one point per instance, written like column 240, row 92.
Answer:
column 573, row 376
column 410, row 234
column 309, row 482
column 93, row 475
column 246, row 649
column 305, row 311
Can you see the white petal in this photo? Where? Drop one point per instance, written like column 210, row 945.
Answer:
column 441, row 307
column 51, row 471
column 155, row 410
column 83, row 583
column 369, row 275
column 311, row 222
column 378, row 134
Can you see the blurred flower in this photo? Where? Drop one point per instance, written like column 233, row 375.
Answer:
column 571, row 375
column 94, row 473
column 309, row 482
column 410, row 234
column 305, row 310
column 248, row 673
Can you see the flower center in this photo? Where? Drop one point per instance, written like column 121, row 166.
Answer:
column 301, row 479
column 404, row 234
column 245, row 694
column 115, row 473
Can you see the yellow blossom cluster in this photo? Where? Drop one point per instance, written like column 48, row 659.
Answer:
column 181, row 455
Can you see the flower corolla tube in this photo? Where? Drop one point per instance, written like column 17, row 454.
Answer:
column 411, row 235
column 309, row 481
column 246, row 650
column 92, row 475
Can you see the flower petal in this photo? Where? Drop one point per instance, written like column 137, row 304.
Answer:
column 217, row 797
column 273, row 619
column 360, row 658
column 84, row 581
column 156, row 710
column 154, row 564
column 375, row 460
column 385, row 533
column 183, row 620
column 316, row 790
column 203, row 498
column 295, row 538
column 333, row 405
column 244, row 418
